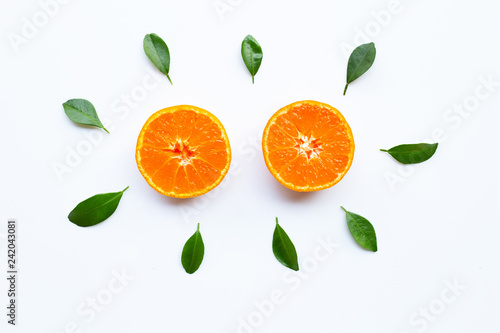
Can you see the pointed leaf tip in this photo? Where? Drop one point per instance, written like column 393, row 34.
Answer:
column 360, row 61
column 412, row 153
column 362, row 230
column 283, row 248
column 95, row 209
column 193, row 252
column 157, row 51
column 82, row 112
column 251, row 52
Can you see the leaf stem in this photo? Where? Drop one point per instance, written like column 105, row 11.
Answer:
column 343, row 209
column 384, row 150
column 198, row 228
column 126, row 188
column 253, row 82
column 168, row 77
column 345, row 89
column 105, row 129
column 277, row 221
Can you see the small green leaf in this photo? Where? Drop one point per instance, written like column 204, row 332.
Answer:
column 192, row 253
column 95, row 209
column 362, row 230
column 283, row 248
column 360, row 61
column 157, row 51
column 251, row 52
column 83, row 112
column 412, row 153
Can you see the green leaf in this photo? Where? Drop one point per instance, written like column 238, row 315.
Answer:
column 95, row 209
column 251, row 52
column 157, row 51
column 83, row 112
column 192, row 253
column 362, row 230
column 412, row 153
column 283, row 248
column 360, row 61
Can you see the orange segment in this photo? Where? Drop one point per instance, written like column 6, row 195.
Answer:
column 308, row 146
column 183, row 151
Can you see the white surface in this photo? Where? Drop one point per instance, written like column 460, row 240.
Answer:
column 439, row 223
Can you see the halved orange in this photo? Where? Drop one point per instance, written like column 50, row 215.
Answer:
column 308, row 146
column 183, row 151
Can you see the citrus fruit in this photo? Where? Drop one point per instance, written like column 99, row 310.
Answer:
column 308, row 146
column 183, row 151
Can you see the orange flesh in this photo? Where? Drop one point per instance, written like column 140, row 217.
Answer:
column 183, row 151
column 308, row 146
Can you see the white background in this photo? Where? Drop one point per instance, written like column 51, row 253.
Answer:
column 437, row 223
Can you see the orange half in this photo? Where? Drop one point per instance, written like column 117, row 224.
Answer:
column 308, row 146
column 183, row 151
